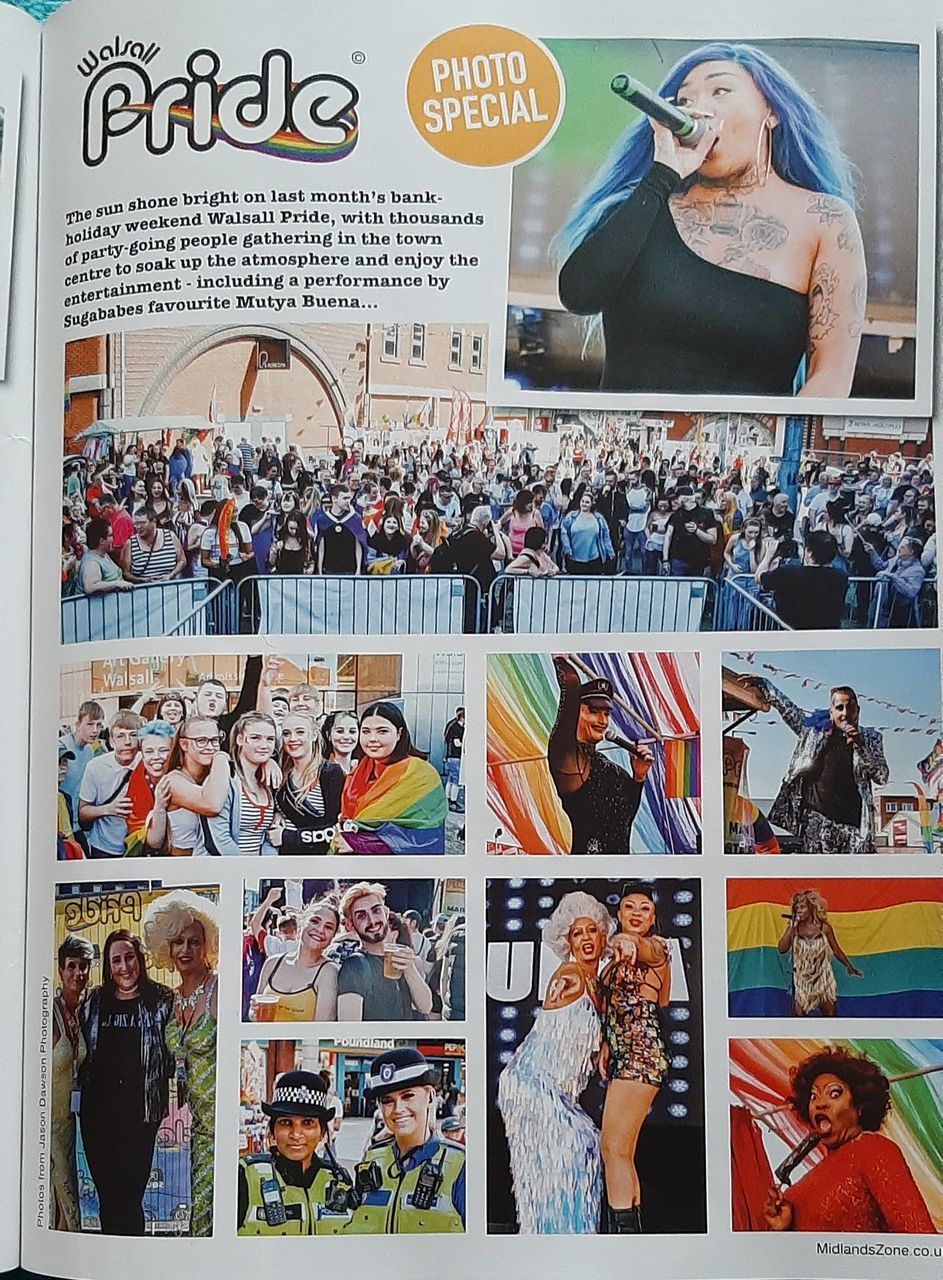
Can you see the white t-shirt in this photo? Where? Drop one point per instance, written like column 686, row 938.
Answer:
column 238, row 535
column 99, row 785
column 640, row 504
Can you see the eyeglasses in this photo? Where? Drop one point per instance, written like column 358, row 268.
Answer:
column 202, row 743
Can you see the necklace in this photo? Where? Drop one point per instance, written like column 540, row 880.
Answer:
column 186, row 1004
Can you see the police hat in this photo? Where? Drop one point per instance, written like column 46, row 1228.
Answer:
column 299, row 1093
column 598, row 688
column 399, row 1069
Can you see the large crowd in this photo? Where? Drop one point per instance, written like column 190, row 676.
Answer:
column 159, row 512
column 272, row 775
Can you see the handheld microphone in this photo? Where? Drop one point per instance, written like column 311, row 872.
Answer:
column 784, row 1171
column 687, row 129
column 617, row 740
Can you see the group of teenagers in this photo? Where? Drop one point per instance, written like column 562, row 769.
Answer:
column 124, row 1050
column 275, row 775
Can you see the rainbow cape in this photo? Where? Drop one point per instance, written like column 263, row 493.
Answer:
column 404, row 805
column 892, row 930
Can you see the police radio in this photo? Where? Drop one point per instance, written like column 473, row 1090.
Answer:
column 429, row 1183
column 273, row 1205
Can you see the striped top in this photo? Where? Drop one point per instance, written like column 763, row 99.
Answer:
column 153, row 564
column 254, row 822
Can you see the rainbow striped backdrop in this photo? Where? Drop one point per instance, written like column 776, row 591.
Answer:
column 892, row 930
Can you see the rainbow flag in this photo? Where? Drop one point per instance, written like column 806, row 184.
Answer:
column 892, row 930
column 682, row 768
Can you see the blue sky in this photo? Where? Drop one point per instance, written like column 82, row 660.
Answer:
column 907, row 677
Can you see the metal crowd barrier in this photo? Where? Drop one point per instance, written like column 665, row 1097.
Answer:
column 214, row 615
column 183, row 606
column 411, row 604
column 738, row 608
column 867, row 604
column 580, row 604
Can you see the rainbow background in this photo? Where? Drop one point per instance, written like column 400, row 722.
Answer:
column 892, row 930
column 523, row 695
column 759, row 1078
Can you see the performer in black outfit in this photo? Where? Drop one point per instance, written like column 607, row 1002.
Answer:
column 600, row 798
column 718, row 267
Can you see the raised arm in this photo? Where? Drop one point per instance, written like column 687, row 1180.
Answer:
column 596, row 270
column 838, row 293
column 793, row 716
column 258, row 919
column 563, row 752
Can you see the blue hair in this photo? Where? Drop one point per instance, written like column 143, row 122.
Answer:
column 805, row 148
column 156, row 729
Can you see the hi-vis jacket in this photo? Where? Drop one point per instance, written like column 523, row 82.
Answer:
column 391, row 1208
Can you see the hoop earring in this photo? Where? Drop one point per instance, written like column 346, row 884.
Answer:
column 767, row 128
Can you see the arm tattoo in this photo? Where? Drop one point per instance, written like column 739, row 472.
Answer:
column 822, row 313
column 859, row 301
column 828, row 209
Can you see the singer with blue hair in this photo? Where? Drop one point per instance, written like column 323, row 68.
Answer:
column 735, row 265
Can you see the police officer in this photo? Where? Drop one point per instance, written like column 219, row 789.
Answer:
column 413, row 1182
column 289, row 1191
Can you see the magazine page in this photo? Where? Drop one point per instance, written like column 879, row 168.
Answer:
column 480, row 442
column 19, row 153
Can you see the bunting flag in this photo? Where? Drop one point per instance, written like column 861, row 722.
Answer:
column 892, row 930
column 460, row 418
column 926, row 823
column 682, row 768
column 806, row 682
column 657, row 689
column 759, row 1080
column 931, row 769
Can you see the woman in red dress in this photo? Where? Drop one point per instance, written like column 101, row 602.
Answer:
column 864, row 1183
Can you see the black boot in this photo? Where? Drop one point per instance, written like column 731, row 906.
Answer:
column 625, row 1222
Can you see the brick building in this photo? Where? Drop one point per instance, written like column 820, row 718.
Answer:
column 297, row 382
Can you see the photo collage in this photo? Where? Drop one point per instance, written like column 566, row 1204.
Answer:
column 639, row 568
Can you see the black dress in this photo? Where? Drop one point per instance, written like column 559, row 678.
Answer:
column 673, row 321
column 602, row 810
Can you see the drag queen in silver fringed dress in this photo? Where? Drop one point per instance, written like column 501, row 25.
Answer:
column 554, row 1146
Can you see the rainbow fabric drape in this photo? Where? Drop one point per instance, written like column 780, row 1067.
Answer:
column 892, row 930
column 661, row 689
column 759, row 1078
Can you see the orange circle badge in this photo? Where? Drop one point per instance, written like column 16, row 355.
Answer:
column 484, row 95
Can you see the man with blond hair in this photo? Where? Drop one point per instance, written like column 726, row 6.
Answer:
column 381, row 981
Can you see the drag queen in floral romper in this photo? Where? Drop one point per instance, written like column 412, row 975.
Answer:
column 634, row 1059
